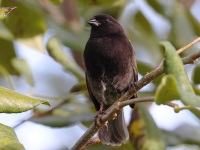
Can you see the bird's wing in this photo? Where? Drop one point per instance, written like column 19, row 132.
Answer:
column 135, row 76
column 94, row 100
column 135, row 70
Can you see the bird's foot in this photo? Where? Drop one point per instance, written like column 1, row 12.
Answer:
column 134, row 87
column 98, row 119
column 114, row 116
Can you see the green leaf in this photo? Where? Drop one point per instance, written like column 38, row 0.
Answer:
column 183, row 134
column 185, row 34
column 196, row 75
column 140, row 33
column 193, row 21
column 142, row 24
column 7, row 53
column 35, row 42
column 174, row 66
column 5, row 73
column 156, row 5
column 56, row 2
column 12, row 102
column 69, row 37
column 5, row 33
column 80, row 87
column 167, row 90
column 196, row 89
column 8, row 139
column 56, row 51
column 145, row 68
column 25, row 22
column 4, row 11
column 144, row 134
column 22, row 67
column 59, row 121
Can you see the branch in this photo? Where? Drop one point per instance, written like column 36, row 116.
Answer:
column 36, row 115
column 138, row 85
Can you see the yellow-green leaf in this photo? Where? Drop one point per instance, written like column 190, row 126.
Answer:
column 22, row 67
column 25, row 22
column 174, row 66
column 7, row 52
column 182, row 31
column 145, row 68
column 4, row 11
column 13, row 102
column 144, row 134
column 196, row 75
column 8, row 139
column 6, row 75
column 35, row 42
column 81, row 86
column 167, row 90
column 56, row 51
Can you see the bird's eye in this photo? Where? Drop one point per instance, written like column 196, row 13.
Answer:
column 107, row 20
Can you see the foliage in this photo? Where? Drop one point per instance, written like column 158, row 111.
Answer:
column 29, row 22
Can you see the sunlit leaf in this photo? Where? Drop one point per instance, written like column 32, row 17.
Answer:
column 167, row 90
column 35, row 42
column 8, row 139
column 56, row 51
column 174, row 66
column 22, row 67
column 196, row 75
column 4, row 32
column 4, row 11
column 25, row 22
column 12, row 102
column 79, row 87
column 144, row 134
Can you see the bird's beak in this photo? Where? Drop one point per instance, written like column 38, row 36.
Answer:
column 94, row 22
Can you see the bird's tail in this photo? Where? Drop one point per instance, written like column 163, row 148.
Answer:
column 115, row 132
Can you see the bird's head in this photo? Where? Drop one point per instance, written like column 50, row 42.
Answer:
column 105, row 25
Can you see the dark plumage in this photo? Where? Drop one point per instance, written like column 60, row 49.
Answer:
column 110, row 69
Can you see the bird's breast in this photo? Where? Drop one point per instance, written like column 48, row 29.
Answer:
column 108, row 64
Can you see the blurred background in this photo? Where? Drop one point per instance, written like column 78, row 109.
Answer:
column 41, row 46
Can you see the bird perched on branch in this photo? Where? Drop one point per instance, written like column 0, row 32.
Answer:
column 110, row 70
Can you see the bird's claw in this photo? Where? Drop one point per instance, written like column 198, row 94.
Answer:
column 98, row 117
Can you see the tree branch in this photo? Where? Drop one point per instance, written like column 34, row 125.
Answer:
column 65, row 101
column 138, row 85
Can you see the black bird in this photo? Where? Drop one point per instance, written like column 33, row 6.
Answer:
column 110, row 70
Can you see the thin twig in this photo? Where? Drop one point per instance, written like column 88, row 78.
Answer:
column 65, row 101
column 173, row 105
column 135, row 100
column 187, row 46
